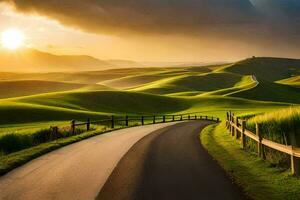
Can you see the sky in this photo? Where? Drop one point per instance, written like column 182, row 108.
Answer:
column 158, row 30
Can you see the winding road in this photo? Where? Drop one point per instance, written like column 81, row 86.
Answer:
column 162, row 161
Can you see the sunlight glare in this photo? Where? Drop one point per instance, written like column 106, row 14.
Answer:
column 12, row 39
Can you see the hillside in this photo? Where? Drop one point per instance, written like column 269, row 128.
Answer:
column 268, row 91
column 293, row 81
column 31, row 60
column 30, row 87
column 269, row 69
column 197, row 83
column 245, row 86
column 85, row 77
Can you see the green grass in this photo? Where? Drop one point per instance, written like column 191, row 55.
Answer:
column 191, row 83
column 41, row 100
column 138, row 80
column 282, row 126
column 270, row 69
column 20, row 113
column 219, row 105
column 109, row 102
column 97, row 104
column 13, row 160
column 257, row 178
column 268, row 91
column 30, row 87
column 246, row 83
column 89, row 77
column 293, row 81
column 173, row 90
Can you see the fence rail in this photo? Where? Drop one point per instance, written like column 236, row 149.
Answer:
column 237, row 128
column 153, row 119
column 113, row 122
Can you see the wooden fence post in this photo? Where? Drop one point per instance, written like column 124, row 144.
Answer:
column 232, row 122
column 112, row 121
column 195, row 117
column 88, row 124
column 236, row 130
column 73, row 127
column 243, row 138
column 295, row 165
column 232, row 127
column 189, row 117
column 180, row 117
column 173, row 119
column 164, row 119
column 126, row 120
column 260, row 148
column 205, row 117
column 142, row 119
column 295, row 161
column 227, row 120
column 154, row 119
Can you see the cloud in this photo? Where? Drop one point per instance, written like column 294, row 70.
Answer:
column 150, row 16
column 265, row 23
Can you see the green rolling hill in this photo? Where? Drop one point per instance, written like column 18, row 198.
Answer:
column 249, row 86
column 269, row 91
column 108, row 102
column 293, row 81
column 269, row 69
column 30, row 87
column 197, row 83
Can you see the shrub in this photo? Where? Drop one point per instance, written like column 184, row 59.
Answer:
column 12, row 142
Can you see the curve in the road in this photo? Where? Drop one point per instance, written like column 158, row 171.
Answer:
column 76, row 171
column 169, row 165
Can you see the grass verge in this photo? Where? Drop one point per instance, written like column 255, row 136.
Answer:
column 10, row 161
column 13, row 160
column 257, row 177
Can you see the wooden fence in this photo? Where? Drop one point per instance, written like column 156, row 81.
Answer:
column 237, row 128
column 114, row 122
column 143, row 120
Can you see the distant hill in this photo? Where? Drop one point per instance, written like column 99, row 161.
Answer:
column 31, row 60
column 30, row 87
column 274, row 76
column 125, row 63
column 267, row 68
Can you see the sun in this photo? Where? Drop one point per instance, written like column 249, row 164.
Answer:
column 12, row 39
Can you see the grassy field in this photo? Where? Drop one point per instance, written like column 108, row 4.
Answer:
column 293, row 81
column 53, row 97
column 32, row 102
column 258, row 178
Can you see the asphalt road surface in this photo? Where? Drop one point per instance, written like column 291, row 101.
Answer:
column 169, row 164
column 77, row 171
column 162, row 161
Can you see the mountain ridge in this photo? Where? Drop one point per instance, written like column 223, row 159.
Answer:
column 32, row 60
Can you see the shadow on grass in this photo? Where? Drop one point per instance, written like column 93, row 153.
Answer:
column 257, row 178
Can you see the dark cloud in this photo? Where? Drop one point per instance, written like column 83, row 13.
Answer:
column 142, row 15
column 264, row 22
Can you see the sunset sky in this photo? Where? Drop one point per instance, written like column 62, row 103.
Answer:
column 158, row 30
